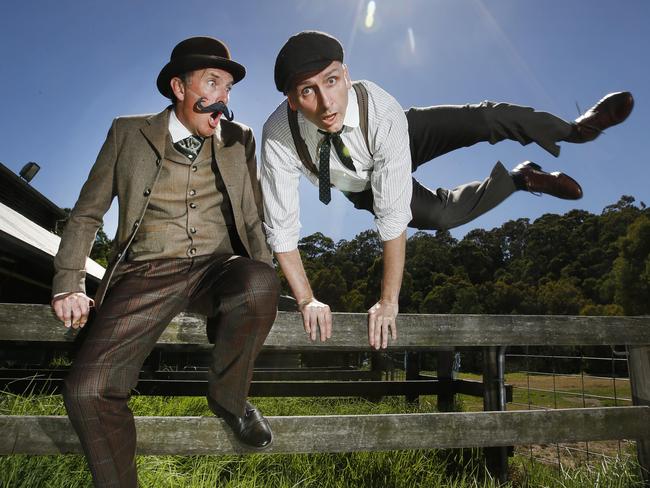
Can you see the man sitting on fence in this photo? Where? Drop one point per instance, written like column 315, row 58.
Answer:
column 189, row 236
column 357, row 138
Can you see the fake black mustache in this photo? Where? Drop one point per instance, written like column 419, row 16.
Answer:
column 214, row 109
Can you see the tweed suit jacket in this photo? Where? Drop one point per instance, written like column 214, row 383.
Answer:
column 127, row 167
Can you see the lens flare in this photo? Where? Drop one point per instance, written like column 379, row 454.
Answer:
column 411, row 40
column 370, row 14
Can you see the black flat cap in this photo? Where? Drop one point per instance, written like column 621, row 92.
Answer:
column 198, row 53
column 305, row 52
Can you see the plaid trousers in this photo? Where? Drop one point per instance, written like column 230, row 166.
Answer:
column 239, row 294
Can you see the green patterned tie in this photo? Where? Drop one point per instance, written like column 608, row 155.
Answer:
column 190, row 146
column 329, row 138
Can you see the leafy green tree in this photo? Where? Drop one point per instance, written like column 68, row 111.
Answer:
column 329, row 287
column 101, row 247
column 573, row 263
column 560, row 297
column 632, row 269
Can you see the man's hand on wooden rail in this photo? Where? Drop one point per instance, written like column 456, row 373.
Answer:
column 72, row 308
column 382, row 316
column 316, row 316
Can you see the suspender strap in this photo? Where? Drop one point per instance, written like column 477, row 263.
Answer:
column 362, row 100
column 299, row 142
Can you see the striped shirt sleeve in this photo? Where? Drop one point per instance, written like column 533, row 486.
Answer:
column 390, row 180
column 280, row 176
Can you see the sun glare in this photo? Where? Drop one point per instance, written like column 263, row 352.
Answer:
column 411, row 40
column 370, row 14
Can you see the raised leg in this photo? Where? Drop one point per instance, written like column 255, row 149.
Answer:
column 434, row 131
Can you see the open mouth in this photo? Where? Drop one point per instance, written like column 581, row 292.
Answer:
column 214, row 119
column 328, row 119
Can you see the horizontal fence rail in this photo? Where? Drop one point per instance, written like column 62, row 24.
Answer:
column 19, row 322
column 34, row 326
column 344, row 433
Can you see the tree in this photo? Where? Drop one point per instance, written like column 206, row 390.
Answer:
column 101, row 247
column 329, row 287
column 632, row 269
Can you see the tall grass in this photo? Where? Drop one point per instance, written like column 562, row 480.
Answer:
column 409, row 469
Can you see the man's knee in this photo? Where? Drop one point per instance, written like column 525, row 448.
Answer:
column 261, row 284
column 270, row 283
column 85, row 391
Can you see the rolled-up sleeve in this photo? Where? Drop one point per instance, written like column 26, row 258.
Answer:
column 391, row 181
column 280, row 177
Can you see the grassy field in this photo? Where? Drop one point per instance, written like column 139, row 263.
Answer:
column 452, row 468
column 539, row 390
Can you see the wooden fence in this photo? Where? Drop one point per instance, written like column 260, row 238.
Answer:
column 494, row 428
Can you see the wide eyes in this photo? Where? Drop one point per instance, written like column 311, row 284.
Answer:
column 212, row 83
column 308, row 90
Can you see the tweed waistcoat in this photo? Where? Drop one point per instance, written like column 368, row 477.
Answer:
column 189, row 212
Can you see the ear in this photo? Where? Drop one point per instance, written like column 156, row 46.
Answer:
column 292, row 102
column 346, row 75
column 178, row 87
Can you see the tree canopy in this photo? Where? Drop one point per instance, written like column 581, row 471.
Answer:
column 576, row 263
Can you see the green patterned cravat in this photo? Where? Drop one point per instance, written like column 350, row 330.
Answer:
column 190, row 146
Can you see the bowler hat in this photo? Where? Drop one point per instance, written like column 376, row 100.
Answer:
column 197, row 53
column 305, row 52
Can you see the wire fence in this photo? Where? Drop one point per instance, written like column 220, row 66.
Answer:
column 552, row 379
column 544, row 379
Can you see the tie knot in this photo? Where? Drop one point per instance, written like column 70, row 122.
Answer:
column 330, row 135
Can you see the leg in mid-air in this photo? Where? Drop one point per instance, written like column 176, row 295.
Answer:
column 437, row 130
column 434, row 131
column 443, row 208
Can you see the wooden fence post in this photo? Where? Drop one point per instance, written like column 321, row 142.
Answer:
column 445, row 365
column 494, row 399
column 639, row 365
column 412, row 370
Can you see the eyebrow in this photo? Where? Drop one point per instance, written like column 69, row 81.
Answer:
column 331, row 72
column 214, row 74
column 309, row 81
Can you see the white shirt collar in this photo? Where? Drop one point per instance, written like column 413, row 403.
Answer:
column 176, row 128
column 352, row 112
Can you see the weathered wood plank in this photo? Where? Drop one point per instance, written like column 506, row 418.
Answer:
column 36, row 323
column 346, row 433
column 639, row 365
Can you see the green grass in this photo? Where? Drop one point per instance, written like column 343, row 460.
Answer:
column 410, row 469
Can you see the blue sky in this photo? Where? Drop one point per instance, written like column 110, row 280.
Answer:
column 70, row 67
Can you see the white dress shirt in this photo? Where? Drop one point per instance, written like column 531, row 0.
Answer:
column 386, row 169
column 177, row 130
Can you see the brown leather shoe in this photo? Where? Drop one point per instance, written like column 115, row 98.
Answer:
column 530, row 177
column 612, row 109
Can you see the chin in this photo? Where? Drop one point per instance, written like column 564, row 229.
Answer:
column 208, row 131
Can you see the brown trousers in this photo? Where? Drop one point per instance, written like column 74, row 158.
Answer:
column 238, row 293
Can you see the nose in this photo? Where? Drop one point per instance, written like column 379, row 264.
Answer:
column 325, row 99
